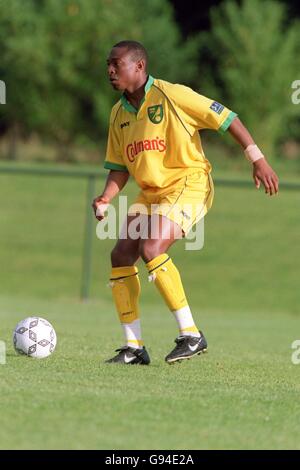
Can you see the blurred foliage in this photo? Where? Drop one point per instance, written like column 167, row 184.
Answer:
column 54, row 61
column 255, row 57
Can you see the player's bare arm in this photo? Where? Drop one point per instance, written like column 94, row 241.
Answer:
column 115, row 182
column 262, row 171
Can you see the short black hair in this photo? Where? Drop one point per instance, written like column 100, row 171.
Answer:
column 137, row 50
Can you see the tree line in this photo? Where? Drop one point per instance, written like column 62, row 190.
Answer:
column 53, row 63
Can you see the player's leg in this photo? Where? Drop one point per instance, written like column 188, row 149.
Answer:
column 177, row 212
column 164, row 273
column 125, row 285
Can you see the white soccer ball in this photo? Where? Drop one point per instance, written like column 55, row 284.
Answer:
column 34, row 337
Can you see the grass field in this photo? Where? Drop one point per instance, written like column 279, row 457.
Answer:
column 243, row 289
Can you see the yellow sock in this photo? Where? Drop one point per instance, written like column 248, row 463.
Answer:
column 167, row 278
column 126, row 289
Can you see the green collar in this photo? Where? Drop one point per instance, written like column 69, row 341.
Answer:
column 128, row 106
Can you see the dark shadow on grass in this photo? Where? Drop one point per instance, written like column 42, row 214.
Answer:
column 9, row 354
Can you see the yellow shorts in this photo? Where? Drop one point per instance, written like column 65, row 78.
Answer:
column 185, row 202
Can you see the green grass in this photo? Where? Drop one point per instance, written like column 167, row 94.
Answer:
column 249, row 257
column 243, row 289
column 243, row 394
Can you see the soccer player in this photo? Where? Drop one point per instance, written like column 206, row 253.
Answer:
column 153, row 136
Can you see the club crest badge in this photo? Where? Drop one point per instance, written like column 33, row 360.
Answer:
column 156, row 113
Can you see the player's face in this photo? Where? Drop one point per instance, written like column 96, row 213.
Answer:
column 123, row 70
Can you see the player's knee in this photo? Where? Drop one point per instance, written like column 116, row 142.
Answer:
column 149, row 249
column 117, row 257
column 122, row 257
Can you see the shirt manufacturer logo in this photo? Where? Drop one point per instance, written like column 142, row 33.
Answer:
column 124, row 124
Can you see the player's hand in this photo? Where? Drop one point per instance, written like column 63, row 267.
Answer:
column 263, row 173
column 100, row 205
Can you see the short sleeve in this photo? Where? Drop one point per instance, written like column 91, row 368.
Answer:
column 200, row 112
column 114, row 159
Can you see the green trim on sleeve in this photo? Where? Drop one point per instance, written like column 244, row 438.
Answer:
column 115, row 166
column 227, row 122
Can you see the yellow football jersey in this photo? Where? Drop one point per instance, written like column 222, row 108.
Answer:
column 159, row 143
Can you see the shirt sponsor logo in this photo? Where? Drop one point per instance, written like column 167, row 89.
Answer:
column 133, row 149
column 217, row 107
